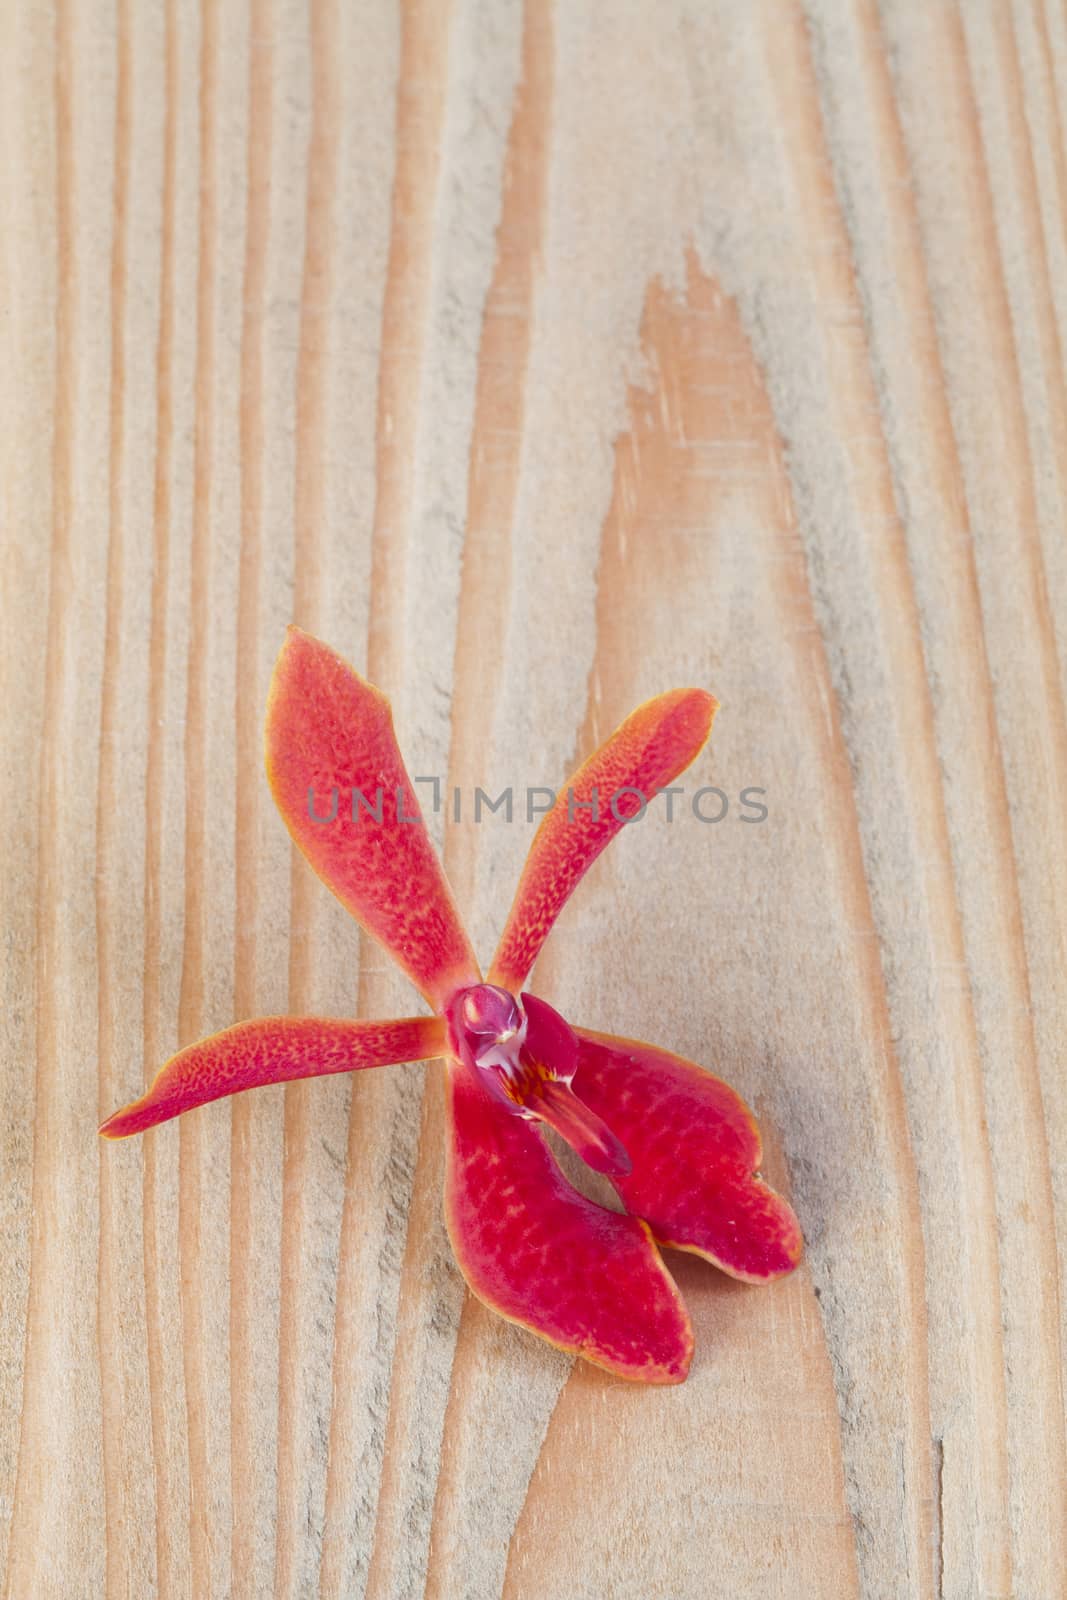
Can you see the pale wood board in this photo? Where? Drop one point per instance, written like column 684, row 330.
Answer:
column 539, row 358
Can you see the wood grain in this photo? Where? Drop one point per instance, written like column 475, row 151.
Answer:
column 539, row 357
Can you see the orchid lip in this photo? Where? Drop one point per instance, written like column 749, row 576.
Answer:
column 586, row 1133
column 530, row 1071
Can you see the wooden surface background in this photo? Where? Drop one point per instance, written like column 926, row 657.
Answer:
column 539, row 358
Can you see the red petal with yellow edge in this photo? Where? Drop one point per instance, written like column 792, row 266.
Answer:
column 695, row 1148
column 533, row 1249
column 648, row 751
column 329, row 741
column 273, row 1050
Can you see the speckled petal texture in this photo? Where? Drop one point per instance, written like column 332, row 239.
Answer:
column 539, row 1253
column 273, row 1050
column 646, row 752
column 695, row 1146
column 329, row 732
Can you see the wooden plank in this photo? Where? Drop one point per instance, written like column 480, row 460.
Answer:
column 540, row 358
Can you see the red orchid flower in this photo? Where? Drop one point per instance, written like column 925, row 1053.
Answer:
column 681, row 1148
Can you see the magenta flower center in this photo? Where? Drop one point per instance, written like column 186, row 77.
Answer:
column 487, row 1030
column 525, row 1055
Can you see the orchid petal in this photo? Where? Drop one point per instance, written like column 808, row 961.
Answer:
column 533, row 1249
column 273, row 1050
column 642, row 756
column 331, row 750
column 695, row 1149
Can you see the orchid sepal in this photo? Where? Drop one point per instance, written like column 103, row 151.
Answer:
column 696, row 1151
column 272, row 1050
column 330, row 733
column 646, row 752
column 589, row 1280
